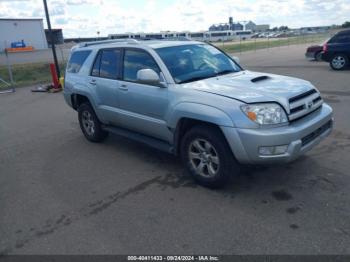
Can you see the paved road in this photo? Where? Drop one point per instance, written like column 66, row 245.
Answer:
column 60, row 194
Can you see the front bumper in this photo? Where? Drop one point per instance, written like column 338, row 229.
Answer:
column 310, row 55
column 300, row 136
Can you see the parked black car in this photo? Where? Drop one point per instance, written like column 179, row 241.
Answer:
column 337, row 50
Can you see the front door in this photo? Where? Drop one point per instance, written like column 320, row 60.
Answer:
column 142, row 107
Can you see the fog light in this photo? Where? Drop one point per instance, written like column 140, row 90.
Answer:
column 272, row 150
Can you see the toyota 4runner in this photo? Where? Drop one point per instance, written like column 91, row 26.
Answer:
column 193, row 100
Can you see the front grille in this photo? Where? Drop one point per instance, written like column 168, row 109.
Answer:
column 303, row 104
column 312, row 136
column 301, row 96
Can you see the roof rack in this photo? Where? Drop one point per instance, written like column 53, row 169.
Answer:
column 125, row 40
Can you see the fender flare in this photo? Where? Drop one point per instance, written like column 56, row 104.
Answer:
column 197, row 111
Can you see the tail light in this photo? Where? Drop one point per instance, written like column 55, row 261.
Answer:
column 325, row 48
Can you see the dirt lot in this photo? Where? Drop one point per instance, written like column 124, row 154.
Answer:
column 60, row 194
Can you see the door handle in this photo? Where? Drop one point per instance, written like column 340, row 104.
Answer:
column 93, row 82
column 123, row 87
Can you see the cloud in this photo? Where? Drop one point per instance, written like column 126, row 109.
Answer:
column 85, row 17
column 79, row 2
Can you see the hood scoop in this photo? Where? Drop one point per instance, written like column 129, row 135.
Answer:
column 259, row 78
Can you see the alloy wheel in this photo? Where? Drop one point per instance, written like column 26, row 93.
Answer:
column 88, row 123
column 204, row 158
column 338, row 62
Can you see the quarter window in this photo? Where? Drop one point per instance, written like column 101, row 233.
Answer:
column 135, row 60
column 77, row 60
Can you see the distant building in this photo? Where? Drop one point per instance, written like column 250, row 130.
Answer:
column 250, row 26
column 262, row 28
column 226, row 26
column 236, row 27
column 219, row 27
column 57, row 36
column 31, row 31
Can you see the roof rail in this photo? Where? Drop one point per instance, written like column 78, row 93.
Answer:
column 125, row 40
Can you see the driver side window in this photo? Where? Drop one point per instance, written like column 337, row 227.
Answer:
column 135, row 60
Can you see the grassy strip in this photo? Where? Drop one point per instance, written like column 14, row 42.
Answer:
column 28, row 74
column 256, row 44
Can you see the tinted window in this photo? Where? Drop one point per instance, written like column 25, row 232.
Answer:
column 340, row 39
column 76, row 60
column 135, row 60
column 96, row 68
column 109, row 63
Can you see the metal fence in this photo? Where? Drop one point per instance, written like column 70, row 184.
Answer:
column 32, row 68
column 255, row 44
column 28, row 68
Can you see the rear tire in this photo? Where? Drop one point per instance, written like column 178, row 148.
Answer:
column 339, row 62
column 207, row 156
column 89, row 124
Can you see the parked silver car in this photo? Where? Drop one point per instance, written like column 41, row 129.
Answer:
column 191, row 99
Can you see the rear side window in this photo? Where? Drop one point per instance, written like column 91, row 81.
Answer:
column 76, row 60
column 340, row 39
column 106, row 64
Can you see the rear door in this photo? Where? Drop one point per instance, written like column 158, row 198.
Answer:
column 104, row 81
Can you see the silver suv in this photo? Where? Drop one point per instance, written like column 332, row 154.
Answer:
column 193, row 100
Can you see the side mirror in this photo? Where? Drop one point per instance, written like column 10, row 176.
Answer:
column 236, row 59
column 148, row 76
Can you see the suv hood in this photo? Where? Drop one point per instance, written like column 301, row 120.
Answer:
column 271, row 88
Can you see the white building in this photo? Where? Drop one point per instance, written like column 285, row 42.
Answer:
column 31, row 31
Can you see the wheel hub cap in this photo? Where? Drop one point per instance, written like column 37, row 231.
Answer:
column 204, row 158
column 88, row 123
column 338, row 62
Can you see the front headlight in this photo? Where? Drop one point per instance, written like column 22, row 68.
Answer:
column 265, row 113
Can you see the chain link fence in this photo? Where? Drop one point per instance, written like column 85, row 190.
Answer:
column 29, row 68
column 254, row 44
column 32, row 68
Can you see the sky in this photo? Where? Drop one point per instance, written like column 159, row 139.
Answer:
column 84, row 18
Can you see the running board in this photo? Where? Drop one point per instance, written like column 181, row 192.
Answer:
column 144, row 139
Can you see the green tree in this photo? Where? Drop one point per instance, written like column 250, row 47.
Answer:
column 283, row 28
column 346, row 24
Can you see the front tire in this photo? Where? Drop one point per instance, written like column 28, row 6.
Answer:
column 318, row 56
column 339, row 62
column 89, row 124
column 207, row 156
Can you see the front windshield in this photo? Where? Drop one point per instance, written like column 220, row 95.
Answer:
column 187, row 63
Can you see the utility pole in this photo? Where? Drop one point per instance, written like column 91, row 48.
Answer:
column 51, row 39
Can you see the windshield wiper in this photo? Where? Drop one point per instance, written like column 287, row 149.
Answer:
column 224, row 72
column 195, row 79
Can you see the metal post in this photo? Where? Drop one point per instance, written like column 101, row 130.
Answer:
column 51, row 39
column 254, row 44
column 240, row 44
column 9, row 67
